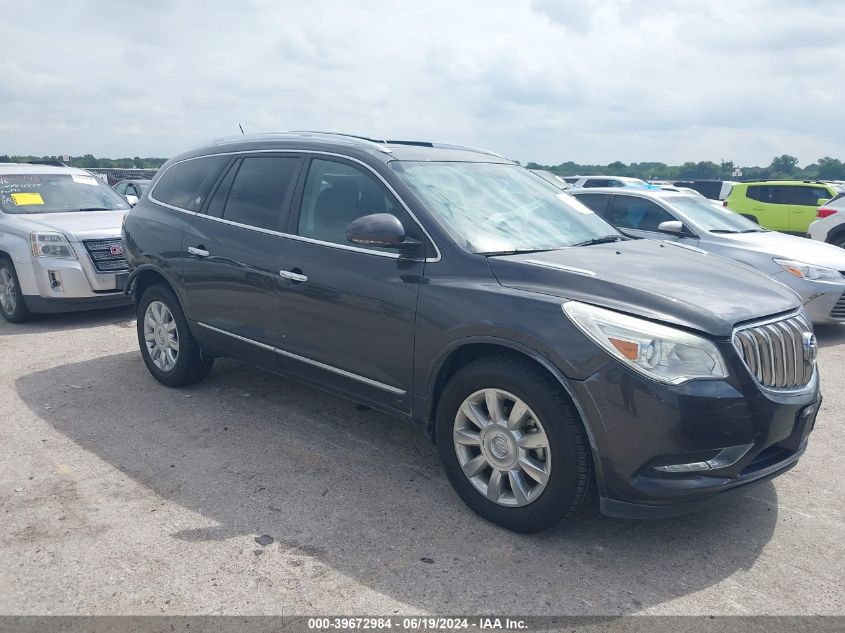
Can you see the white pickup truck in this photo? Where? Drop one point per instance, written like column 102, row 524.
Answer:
column 60, row 243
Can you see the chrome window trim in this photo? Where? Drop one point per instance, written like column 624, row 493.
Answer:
column 299, row 238
column 309, row 361
column 381, row 179
column 795, row 391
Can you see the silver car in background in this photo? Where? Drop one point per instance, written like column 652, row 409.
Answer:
column 814, row 270
column 60, row 243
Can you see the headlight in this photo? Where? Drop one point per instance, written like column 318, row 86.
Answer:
column 657, row 351
column 51, row 245
column 808, row 271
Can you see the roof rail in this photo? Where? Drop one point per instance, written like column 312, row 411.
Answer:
column 379, row 144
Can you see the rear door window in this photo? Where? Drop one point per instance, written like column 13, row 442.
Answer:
column 185, row 184
column 634, row 212
column 595, row 201
column 260, row 191
column 769, row 194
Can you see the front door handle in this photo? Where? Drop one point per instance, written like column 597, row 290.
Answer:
column 293, row 276
column 199, row 252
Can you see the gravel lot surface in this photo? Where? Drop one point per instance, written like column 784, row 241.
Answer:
column 249, row 493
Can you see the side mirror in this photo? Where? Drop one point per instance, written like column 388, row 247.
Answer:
column 379, row 229
column 671, row 226
column 132, row 200
column 822, row 201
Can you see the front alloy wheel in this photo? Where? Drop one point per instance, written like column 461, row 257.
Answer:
column 8, row 294
column 502, row 448
column 512, row 444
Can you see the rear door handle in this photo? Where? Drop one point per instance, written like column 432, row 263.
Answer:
column 199, row 252
column 293, row 276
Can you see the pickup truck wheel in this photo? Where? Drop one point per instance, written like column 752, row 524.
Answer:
column 12, row 306
column 513, row 445
column 169, row 351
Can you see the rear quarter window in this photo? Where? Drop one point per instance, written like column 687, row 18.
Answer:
column 185, row 184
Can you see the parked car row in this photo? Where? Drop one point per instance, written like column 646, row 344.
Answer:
column 553, row 358
column 815, row 271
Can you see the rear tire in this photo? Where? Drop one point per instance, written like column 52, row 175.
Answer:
column 566, row 482
column 12, row 305
column 170, row 353
column 837, row 239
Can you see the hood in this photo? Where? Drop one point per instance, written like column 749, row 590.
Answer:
column 655, row 280
column 785, row 247
column 79, row 225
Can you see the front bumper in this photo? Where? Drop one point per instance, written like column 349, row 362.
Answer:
column 54, row 279
column 824, row 301
column 67, row 285
column 638, row 424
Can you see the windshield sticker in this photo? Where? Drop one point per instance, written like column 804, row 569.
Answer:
column 84, row 180
column 23, row 199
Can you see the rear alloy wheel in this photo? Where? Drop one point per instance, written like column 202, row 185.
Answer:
column 512, row 444
column 169, row 351
column 12, row 306
column 838, row 240
column 161, row 336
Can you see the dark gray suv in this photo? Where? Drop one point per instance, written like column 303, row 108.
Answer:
column 551, row 358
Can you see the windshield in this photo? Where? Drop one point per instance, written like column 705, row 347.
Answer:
column 56, row 193
column 711, row 216
column 493, row 208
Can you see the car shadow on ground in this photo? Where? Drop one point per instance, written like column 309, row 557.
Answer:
column 364, row 494
column 830, row 334
column 69, row 321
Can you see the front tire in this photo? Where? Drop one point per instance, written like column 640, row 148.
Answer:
column 513, row 445
column 12, row 306
column 169, row 351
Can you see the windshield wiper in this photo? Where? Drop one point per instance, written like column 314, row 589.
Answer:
column 724, row 231
column 95, row 209
column 518, row 251
column 604, row 239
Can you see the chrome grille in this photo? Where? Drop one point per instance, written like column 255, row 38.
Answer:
column 107, row 255
column 775, row 352
column 838, row 311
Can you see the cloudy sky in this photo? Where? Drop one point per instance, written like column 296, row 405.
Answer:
column 542, row 80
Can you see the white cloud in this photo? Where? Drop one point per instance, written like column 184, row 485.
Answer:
column 549, row 81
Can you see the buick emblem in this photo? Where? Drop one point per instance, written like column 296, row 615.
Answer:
column 811, row 348
column 116, row 250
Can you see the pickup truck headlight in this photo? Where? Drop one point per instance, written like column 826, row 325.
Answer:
column 660, row 352
column 808, row 271
column 51, row 245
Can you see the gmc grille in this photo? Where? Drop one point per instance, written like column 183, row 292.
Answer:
column 838, row 311
column 103, row 256
column 775, row 353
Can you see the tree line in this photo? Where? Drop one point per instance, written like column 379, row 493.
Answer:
column 781, row 167
column 784, row 167
column 89, row 161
